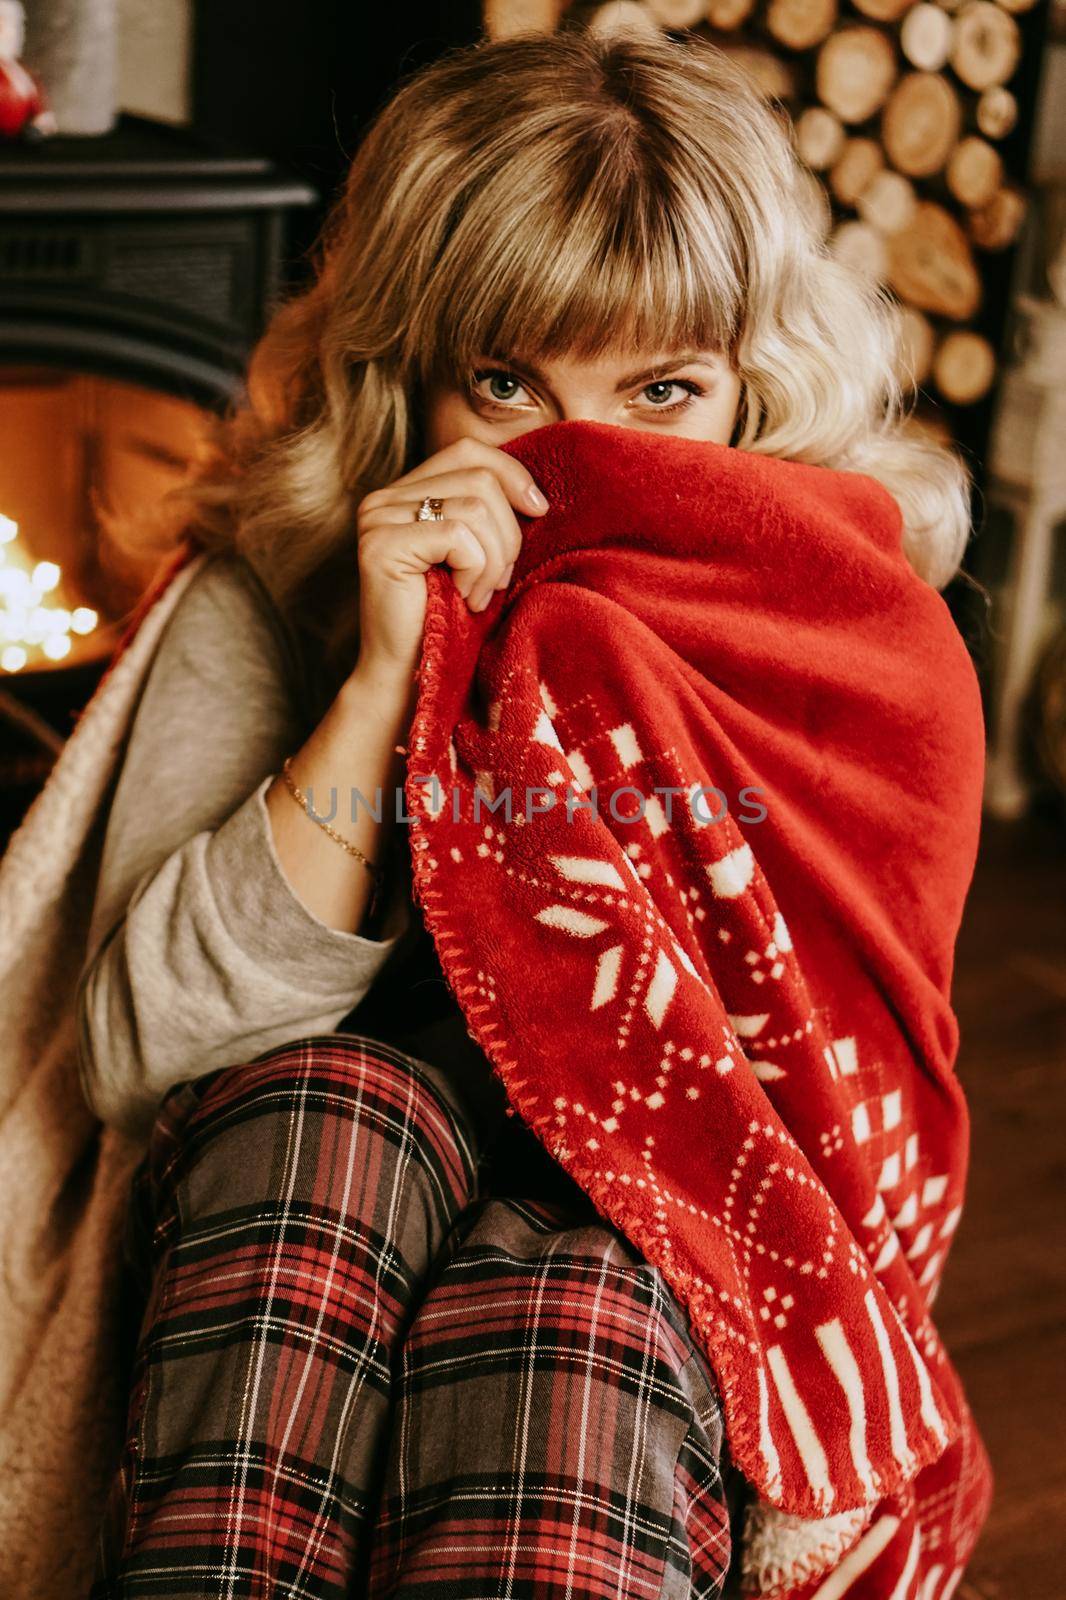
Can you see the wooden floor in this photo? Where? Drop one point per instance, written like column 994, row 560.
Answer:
column 1002, row 1304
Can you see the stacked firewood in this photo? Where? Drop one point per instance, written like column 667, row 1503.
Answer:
column 896, row 107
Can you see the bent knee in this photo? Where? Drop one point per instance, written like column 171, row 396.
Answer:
column 324, row 1099
column 525, row 1254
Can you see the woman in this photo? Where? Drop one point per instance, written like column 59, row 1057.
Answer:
column 536, row 229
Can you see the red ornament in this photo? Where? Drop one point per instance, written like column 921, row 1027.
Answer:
column 21, row 99
column 23, row 108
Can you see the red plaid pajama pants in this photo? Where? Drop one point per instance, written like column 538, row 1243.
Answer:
column 357, row 1375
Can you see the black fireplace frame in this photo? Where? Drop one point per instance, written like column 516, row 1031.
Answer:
column 150, row 254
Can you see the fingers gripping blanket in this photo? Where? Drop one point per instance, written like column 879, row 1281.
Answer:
column 695, row 806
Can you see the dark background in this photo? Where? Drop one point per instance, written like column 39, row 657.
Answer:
column 302, row 86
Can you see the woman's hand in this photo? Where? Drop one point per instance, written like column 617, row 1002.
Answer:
column 478, row 540
column 355, row 746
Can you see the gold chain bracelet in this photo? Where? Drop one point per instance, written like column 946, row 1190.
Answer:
column 346, row 844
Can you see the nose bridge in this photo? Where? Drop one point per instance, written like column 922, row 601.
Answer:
column 586, row 413
column 583, row 392
column 583, row 403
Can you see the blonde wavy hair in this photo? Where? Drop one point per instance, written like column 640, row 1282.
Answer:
column 537, row 195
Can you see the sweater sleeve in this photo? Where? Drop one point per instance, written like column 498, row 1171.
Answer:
column 201, row 954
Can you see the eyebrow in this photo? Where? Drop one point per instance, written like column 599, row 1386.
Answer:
column 684, row 358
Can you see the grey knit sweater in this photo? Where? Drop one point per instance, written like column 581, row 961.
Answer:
column 200, row 954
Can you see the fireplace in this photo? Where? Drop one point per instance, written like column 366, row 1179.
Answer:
column 136, row 271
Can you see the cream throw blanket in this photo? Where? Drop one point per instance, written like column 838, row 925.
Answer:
column 63, row 1177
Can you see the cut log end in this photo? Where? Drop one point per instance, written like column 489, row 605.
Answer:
column 920, row 123
column 888, row 202
column 997, row 112
column 964, row 366
column 996, row 225
column 678, row 14
column 974, row 172
column 820, row 138
column 861, row 249
column 925, row 37
column 728, row 14
column 503, row 18
column 855, row 70
column 800, row 24
column 860, row 161
column 931, row 265
column 986, row 45
column 623, row 16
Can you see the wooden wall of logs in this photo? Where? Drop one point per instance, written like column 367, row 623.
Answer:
column 896, row 107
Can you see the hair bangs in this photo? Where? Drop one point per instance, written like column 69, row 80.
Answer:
column 616, row 272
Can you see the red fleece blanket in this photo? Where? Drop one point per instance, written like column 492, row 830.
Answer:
column 721, row 998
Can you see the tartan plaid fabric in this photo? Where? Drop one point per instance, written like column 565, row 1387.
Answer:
column 590, row 1437
column 357, row 1375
